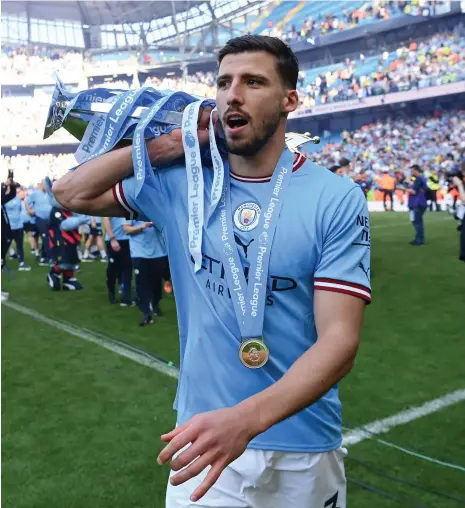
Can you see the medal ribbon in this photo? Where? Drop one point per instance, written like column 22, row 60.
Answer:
column 249, row 298
column 195, row 182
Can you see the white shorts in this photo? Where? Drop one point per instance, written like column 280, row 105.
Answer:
column 269, row 479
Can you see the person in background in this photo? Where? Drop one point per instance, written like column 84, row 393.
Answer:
column 96, row 235
column 8, row 192
column 388, row 186
column 459, row 182
column 119, row 259
column 168, row 286
column 432, row 192
column 40, row 205
column 147, row 255
column 29, row 225
column 64, row 239
column 344, row 168
column 417, row 203
column 13, row 209
column 364, row 183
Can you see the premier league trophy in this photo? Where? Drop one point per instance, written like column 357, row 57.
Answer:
column 102, row 118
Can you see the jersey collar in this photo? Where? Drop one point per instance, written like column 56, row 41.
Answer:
column 299, row 160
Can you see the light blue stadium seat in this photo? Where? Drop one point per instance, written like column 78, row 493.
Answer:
column 276, row 15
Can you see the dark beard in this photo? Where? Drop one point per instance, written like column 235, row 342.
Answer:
column 270, row 126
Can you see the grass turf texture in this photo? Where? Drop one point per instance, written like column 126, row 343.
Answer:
column 81, row 425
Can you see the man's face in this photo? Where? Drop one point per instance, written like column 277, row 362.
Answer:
column 251, row 101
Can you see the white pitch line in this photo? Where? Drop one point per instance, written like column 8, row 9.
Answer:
column 100, row 340
column 414, row 413
column 349, row 439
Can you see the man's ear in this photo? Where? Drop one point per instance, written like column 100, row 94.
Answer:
column 290, row 101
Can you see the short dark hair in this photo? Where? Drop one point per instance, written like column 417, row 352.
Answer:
column 344, row 162
column 416, row 167
column 287, row 62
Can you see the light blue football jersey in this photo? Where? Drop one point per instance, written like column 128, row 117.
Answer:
column 147, row 244
column 322, row 241
column 13, row 210
column 117, row 228
column 40, row 204
column 25, row 217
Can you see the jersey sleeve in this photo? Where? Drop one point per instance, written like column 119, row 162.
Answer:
column 344, row 264
column 74, row 222
column 147, row 204
column 30, row 200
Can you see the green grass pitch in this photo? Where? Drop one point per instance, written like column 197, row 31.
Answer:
column 81, row 425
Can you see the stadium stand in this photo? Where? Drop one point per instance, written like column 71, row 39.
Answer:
column 432, row 62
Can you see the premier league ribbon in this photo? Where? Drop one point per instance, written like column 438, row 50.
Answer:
column 107, row 130
column 218, row 170
column 249, row 298
column 195, row 182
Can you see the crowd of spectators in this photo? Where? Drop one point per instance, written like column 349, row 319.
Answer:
column 347, row 19
column 438, row 60
column 435, row 143
column 25, row 120
column 37, row 64
column 350, row 17
column 31, row 169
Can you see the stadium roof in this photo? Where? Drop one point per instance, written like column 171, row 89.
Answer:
column 92, row 12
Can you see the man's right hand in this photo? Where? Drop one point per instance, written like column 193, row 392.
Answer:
column 115, row 245
column 169, row 147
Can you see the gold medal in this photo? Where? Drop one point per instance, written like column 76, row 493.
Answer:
column 254, row 353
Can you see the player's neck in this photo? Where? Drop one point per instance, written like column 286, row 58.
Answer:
column 261, row 164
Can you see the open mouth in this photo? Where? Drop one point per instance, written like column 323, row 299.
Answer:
column 235, row 123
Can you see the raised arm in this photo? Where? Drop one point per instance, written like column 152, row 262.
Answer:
column 88, row 189
column 135, row 230
column 29, row 210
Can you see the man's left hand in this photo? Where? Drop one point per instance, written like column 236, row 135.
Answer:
column 217, row 438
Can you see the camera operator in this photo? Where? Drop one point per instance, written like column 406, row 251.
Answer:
column 8, row 191
column 459, row 182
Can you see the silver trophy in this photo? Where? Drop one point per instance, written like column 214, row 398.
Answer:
column 101, row 101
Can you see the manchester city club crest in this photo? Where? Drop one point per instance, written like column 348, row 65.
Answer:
column 246, row 216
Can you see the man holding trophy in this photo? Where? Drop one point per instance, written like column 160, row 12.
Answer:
column 249, row 225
